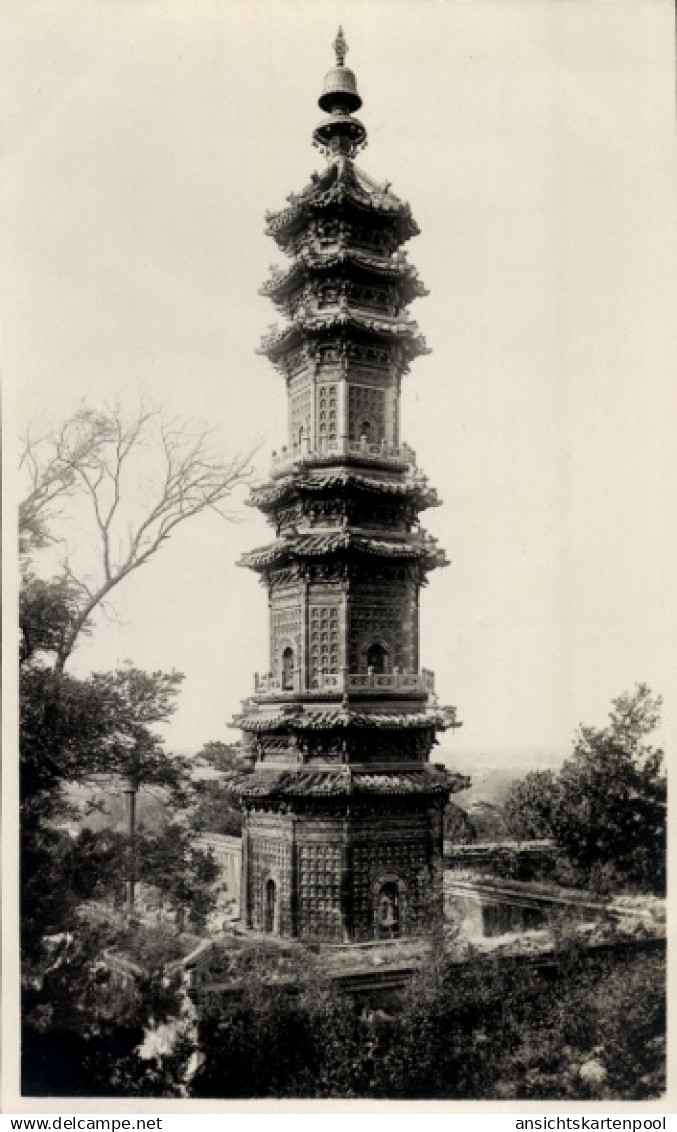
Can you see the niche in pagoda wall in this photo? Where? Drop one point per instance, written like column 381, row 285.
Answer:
column 300, row 409
column 383, row 622
column 366, row 413
column 285, row 637
column 269, row 874
column 392, row 881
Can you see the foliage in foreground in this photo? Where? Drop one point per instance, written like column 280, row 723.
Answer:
column 80, row 1036
column 591, row 1028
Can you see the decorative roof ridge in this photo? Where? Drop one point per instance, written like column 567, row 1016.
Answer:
column 315, row 719
column 397, row 326
column 340, row 188
column 311, row 545
column 345, row 477
column 349, row 535
column 308, row 261
column 346, row 779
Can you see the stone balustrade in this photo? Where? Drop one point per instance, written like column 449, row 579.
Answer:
column 325, row 449
column 344, row 681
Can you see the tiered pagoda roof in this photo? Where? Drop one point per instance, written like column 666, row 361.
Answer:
column 342, row 190
column 312, row 262
column 268, row 496
column 345, row 781
column 308, row 719
column 310, row 324
column 421, row 548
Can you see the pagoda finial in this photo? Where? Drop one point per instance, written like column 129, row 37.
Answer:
column 340, row 47
column 340, row 133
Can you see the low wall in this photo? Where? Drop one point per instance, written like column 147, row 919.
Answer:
column 227, row 853
column 486, row 907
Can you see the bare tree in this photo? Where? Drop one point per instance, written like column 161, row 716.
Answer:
column 49, row 462
column 139, row 477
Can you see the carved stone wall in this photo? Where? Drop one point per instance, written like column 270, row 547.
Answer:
column 319, row 892
column 330, row 870
column 384, row 613
column 366, row 405
column 270, row 858
column 300, row 415
column 327, row 411
column 396, row 850
column 285, row 630
column 382, row 298
column 324, row 638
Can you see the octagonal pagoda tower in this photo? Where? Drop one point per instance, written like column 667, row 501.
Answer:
column 343, row 811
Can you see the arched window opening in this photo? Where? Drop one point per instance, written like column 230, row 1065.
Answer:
column 288, row 669
column 378, row 659
column 270, row 906
column 365, row 429
column 388, row 911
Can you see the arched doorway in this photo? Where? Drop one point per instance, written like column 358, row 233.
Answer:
column 288, row 669
column 378, row 659
column 270, row 906
column 388, row 911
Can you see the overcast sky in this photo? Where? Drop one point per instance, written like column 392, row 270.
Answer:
column 142, row 144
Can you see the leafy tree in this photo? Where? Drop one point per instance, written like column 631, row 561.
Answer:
column 611, row 810
column 456, row 1029
column 215, row 808
column 182, row 873
column 97, row 464
column 584, row 1027
column 483, row 1030
column 530, row 804
column 214, row 804
column 222, row 756
column 606, row 809
column 74, row 1041
column 281, row 1040
column 84, row 1032
column 487, row 821
column 630, row 1005
column 458, row 827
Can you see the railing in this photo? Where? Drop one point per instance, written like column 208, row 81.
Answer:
column 345, row 681
column 267, row 682
column 326, row 449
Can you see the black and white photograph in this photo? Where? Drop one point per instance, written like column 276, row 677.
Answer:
column 338, row 355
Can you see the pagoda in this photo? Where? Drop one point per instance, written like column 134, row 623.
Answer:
column 343, row 811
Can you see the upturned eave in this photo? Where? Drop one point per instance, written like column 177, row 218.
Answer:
column 280, row 340
column 309, row 265
column 344, row 782
column 421, row 549
column 267, row 497
column 340, row 187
